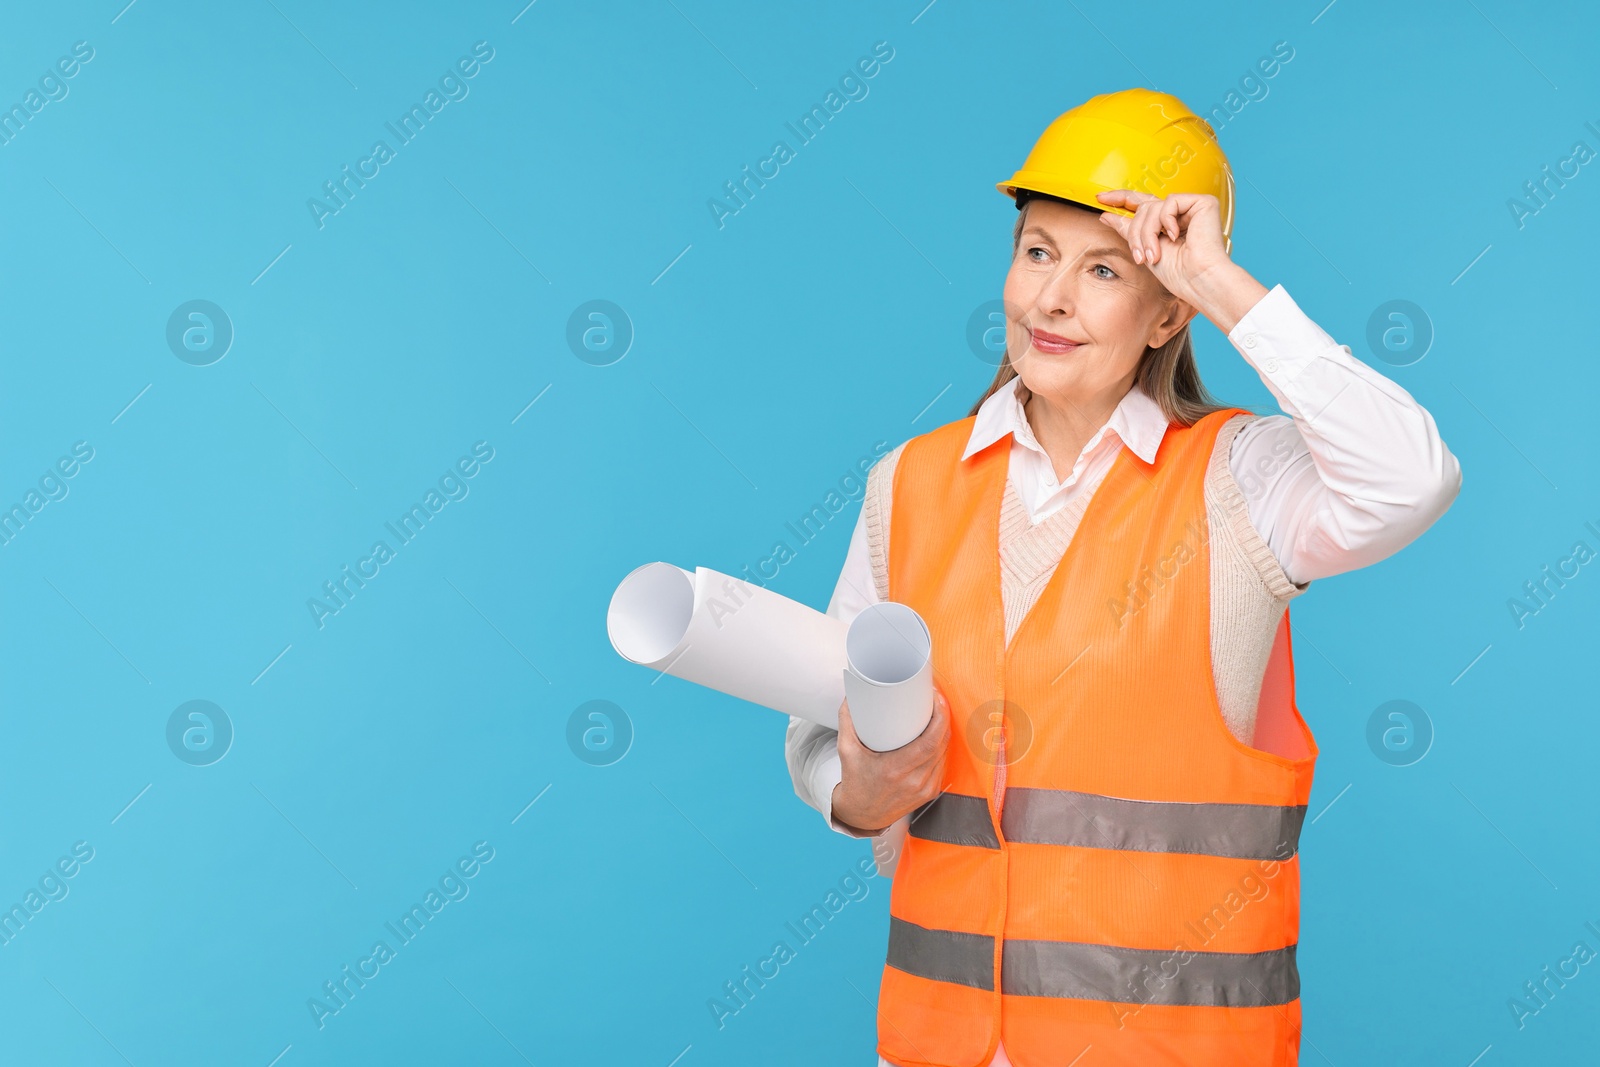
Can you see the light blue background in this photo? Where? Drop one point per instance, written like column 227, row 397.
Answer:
column 774, row 352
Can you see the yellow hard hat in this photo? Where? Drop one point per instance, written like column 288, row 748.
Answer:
column 1133, row 139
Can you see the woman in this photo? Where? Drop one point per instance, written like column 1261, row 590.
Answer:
column 1102, row 817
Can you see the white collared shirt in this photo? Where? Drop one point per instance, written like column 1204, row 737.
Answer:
column 1353, row 471
column 1136, row 422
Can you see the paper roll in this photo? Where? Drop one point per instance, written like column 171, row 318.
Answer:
column 888, row 676
column 751, row 643
column 731, row 636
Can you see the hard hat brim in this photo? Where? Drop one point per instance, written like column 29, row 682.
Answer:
column 1054, row 185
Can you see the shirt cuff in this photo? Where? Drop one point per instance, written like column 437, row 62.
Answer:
column 1278, row 339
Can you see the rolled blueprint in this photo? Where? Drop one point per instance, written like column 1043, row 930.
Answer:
column 731, row 636
column 726, row 634
column 888, row 678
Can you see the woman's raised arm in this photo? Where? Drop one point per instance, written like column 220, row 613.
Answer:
column 1355, row 470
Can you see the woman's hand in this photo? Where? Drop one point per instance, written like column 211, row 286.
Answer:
column 1179, row 238
column 876, row 788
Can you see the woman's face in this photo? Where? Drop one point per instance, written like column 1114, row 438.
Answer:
column 1079, row 311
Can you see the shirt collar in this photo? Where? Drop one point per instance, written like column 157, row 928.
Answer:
column 1137, row 421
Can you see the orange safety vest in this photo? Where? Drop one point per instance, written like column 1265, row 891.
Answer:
column 1108, row 867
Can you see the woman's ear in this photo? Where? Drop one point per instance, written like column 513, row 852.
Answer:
column 1179, row 314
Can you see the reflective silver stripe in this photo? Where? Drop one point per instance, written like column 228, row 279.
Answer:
column 1089, row 820
column 1097, row 972
column 955, row 819
column 1142, row 976
column 941, row 955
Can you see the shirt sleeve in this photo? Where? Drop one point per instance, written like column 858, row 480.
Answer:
column 811, row 749
column 1353, row 471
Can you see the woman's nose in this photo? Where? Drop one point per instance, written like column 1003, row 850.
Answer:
column 1059, row 293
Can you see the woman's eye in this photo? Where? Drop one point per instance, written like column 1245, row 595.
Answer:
column 1109, row 273
column 1040, row 257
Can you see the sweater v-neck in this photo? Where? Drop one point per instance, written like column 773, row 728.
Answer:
column 1029, row 551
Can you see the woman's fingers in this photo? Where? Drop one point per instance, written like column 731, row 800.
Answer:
column 1170, row 211
column 941, row 722
column 930, row 744
column 1124, row 197
column 1140, row 231
column 1161, row 224
column 1154, row 217
column 1145, row 225
column 1149, row 230
column 1164, row 223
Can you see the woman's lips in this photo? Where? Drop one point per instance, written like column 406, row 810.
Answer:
column 1053, row 343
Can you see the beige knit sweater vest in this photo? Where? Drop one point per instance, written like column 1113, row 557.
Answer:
column 1249, row 589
